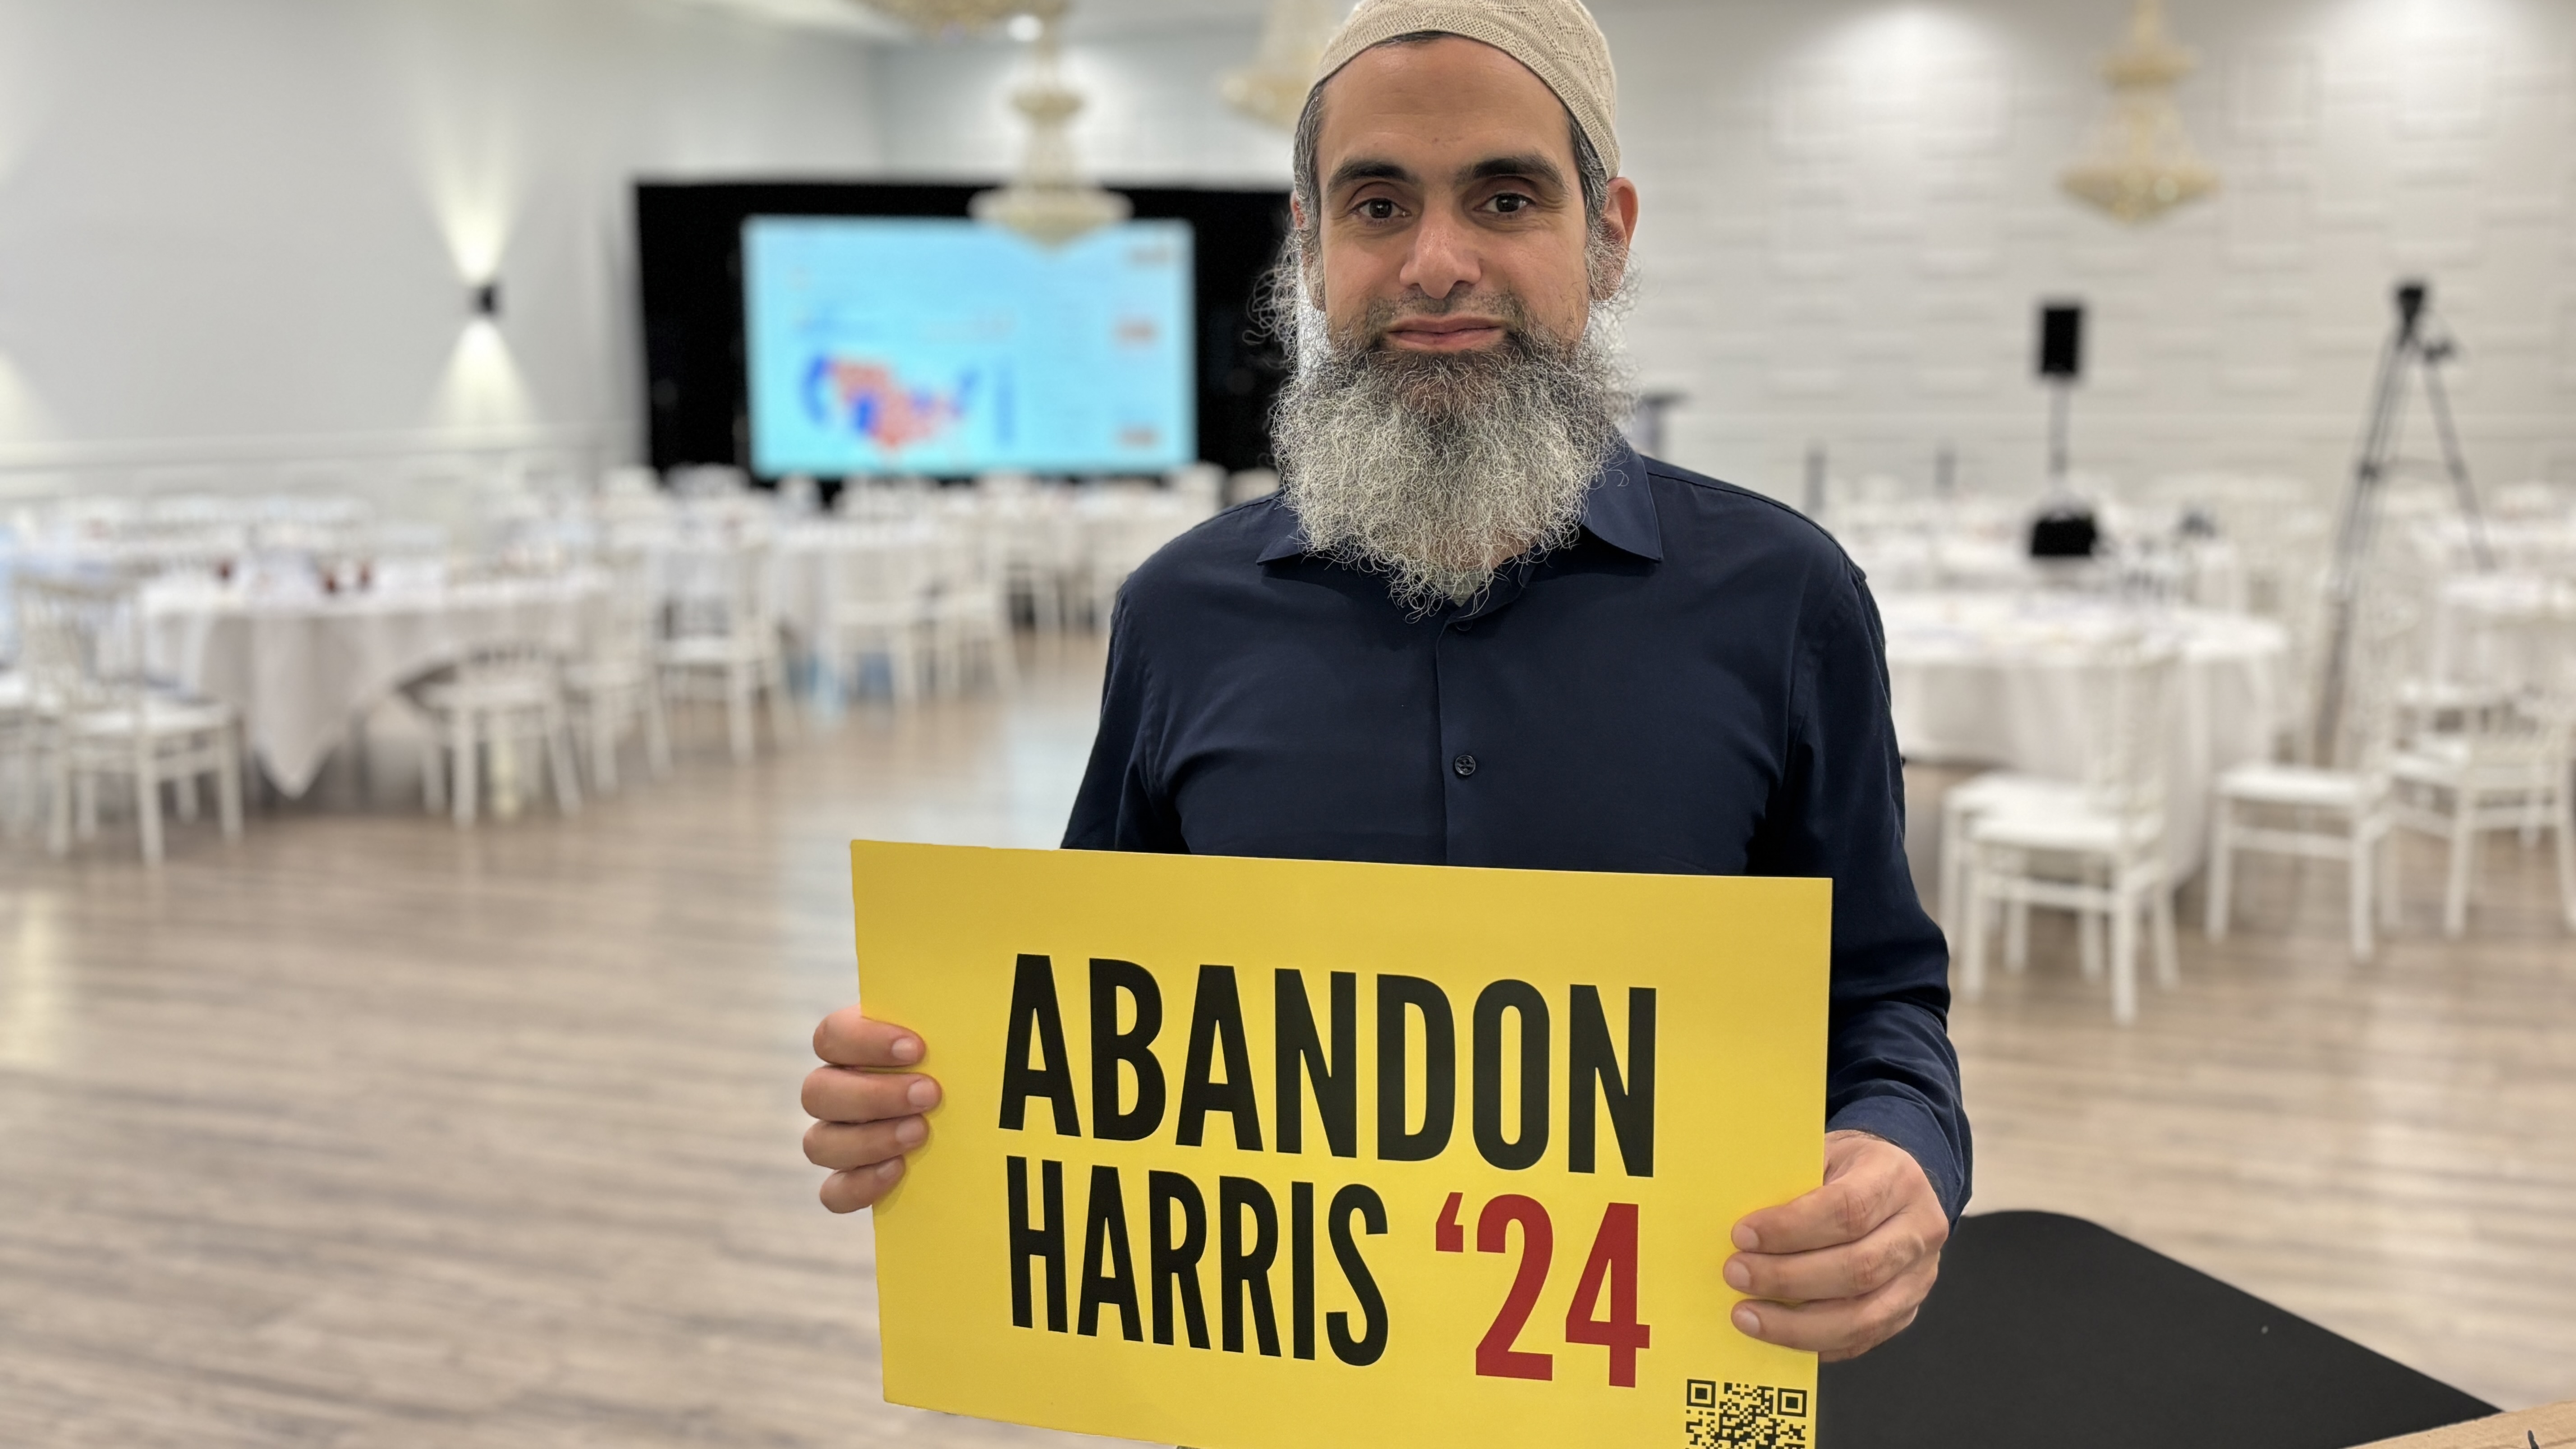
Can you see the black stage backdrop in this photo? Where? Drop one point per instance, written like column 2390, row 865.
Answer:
column 689, row 261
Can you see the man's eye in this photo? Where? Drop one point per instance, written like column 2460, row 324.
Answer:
column 1510, row 202
column 1378, row 208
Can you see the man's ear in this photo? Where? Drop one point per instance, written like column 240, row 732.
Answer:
column 1619, row 229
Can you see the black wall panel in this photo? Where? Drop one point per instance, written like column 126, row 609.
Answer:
column 689, row 245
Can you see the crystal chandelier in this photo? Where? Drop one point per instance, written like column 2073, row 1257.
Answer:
column 2142, row 165
column 1047, row 201
column 1273, row 88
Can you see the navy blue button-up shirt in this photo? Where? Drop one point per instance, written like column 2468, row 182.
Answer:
column 1697, row 686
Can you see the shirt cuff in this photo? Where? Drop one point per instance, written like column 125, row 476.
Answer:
column 1912, row 1125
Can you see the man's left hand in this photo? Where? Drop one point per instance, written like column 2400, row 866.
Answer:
column 1845, row 1267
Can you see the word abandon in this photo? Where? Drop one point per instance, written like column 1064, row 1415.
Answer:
column 1414, row 1022
column 1176, row 1246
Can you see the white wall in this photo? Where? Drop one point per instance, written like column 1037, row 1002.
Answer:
column 1851, row 210
column 1854, row 210
column 243, row 229
column 1151, row 114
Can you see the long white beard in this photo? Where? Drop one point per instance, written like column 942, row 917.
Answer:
column 1437, row 470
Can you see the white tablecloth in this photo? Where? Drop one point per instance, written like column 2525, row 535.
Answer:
column 1987, row 679
column 2542, row 546
column 1978, row 548
column 299, row 670
column 2512, row 631
column 812, row 559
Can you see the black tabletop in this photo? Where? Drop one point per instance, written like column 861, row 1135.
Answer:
column 2051, row 1331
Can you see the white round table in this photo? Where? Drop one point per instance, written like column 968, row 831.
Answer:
column 2506, row 630
column 814, row 557
column 300, row 668
column 1992, row 679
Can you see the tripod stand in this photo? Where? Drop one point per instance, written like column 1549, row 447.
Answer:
column 2418, row 345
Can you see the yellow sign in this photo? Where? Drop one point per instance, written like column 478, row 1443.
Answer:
column 1270, row 1154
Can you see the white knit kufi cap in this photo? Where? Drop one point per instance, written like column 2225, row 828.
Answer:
column 1556, row 39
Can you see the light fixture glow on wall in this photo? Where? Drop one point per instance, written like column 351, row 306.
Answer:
column 2142, row 165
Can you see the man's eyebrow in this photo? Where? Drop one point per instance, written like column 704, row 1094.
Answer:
column 1367, row 168
column 1532, row 167
column 1529, row 166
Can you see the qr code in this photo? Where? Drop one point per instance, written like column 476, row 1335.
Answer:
column 1744, row 1416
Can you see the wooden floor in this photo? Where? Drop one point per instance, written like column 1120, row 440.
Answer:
column 371, row 1133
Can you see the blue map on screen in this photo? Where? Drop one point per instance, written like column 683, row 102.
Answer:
column 935, row 346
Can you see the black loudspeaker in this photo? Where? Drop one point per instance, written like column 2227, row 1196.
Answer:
column 2411, row 297
column 2064, row 533
column 2061, row 340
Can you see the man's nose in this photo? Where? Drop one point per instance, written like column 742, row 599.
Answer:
column 1444, row 257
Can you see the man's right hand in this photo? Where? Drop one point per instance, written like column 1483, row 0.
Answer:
column 867, row 1110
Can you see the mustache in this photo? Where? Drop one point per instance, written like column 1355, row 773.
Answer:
column 1369, row 333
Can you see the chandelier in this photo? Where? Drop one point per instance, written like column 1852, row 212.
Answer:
column 962, row 17
column 1273, row 88
column 2142, row 165
column 1048, row 201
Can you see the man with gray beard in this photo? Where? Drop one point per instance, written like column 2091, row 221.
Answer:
column 1476, row 628
column 1431, row 467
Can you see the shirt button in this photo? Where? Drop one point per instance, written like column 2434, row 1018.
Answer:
column 1465, row 626
column 1465, row 765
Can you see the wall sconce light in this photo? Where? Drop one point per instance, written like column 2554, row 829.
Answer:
column 486, row 301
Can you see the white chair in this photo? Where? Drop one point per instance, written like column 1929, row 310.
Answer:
column 880, row 609
column 81, row 643
column 2321, row 811
column 503, row 695
column 723, row 643
column 2103, row 856
column 1040, row 556
column 2339, row 815
column 2505, row 770
column 969, row 615
column 1971, row 800
column 20, row 749
column 614, row 685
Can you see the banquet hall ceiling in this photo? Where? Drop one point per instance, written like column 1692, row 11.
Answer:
column 1088, row 17
column 1108, row 16
column 837, row 15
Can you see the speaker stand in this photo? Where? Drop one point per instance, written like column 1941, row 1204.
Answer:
column 2416, row 347
column 2061, row 395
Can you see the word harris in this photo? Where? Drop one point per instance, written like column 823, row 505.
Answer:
column 1131, row 1101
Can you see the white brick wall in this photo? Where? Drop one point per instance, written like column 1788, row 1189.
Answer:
column 1850, row 212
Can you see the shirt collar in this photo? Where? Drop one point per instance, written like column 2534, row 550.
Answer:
column 1619, row 510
